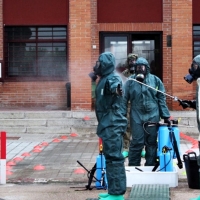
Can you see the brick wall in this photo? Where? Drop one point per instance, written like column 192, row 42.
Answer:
column 84, row 51
column 41, row 95
column 177, row 22
column 167, row 57
column 181, row 49
column 80, row 53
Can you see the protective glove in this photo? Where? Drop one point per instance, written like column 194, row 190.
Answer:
column 184, row 103
column 93, row 76
column 119, row 90
column 193, row 104
column 167, row 121
column 188, row 103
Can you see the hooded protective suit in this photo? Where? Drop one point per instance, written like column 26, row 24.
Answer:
column 111, row 123
column 146, row 105
column 127, row 73
column 195, row 103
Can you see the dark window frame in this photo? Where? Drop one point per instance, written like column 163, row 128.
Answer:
column 36, row 41
column 195, row 39
column 102, row 35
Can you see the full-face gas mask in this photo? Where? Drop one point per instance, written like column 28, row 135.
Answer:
column 140, row 71
column 96, row 71
column 131, row 65
column 194, row 73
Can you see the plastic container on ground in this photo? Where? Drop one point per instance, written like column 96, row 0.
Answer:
column 192, row 170
column 134, row 176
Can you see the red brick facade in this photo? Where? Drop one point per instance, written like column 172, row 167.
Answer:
column 181, row 48
column 177, row 21
column 83, row 50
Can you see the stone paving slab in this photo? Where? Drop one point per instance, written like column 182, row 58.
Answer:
column 59, row 159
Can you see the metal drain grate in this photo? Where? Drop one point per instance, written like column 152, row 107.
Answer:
column 147, row 191
column 98, row 199
column 92, row 199
column 150, row 192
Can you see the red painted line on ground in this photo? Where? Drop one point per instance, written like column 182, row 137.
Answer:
column 86, row 118
column 9, row 172
column 36, row 150
column 56, row 140
column 189, row 151
column 11, row 163
column 44, row 144
column 190, row 139
column 73, row 134
column 39, row 167
column 37, row 147
column 8, row 167
column 186, row 137
column 195, row 146
column 17, row 159
column 79, row 171
column 26, row 154
column 63, row 137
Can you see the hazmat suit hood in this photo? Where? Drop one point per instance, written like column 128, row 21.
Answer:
column 107, row 61
column 194, row 71
column 197, row 60
column 143, row 61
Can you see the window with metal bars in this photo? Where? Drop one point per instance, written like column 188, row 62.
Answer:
column 35, row 52
column 196, row 40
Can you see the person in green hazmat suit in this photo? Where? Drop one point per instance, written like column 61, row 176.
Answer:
column 146, row 105
column 130, row 70
column 194, row 74
column 111, row 124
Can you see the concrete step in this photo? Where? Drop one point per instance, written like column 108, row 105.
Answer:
column 24, row 114
column 51, row 122
column 83, row 123
column 47, row 122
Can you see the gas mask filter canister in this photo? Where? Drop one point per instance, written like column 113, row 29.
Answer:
column 140, row 72
column 140, row 77
column 96, row 71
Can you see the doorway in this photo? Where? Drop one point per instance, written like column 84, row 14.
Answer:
column 145, row 44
